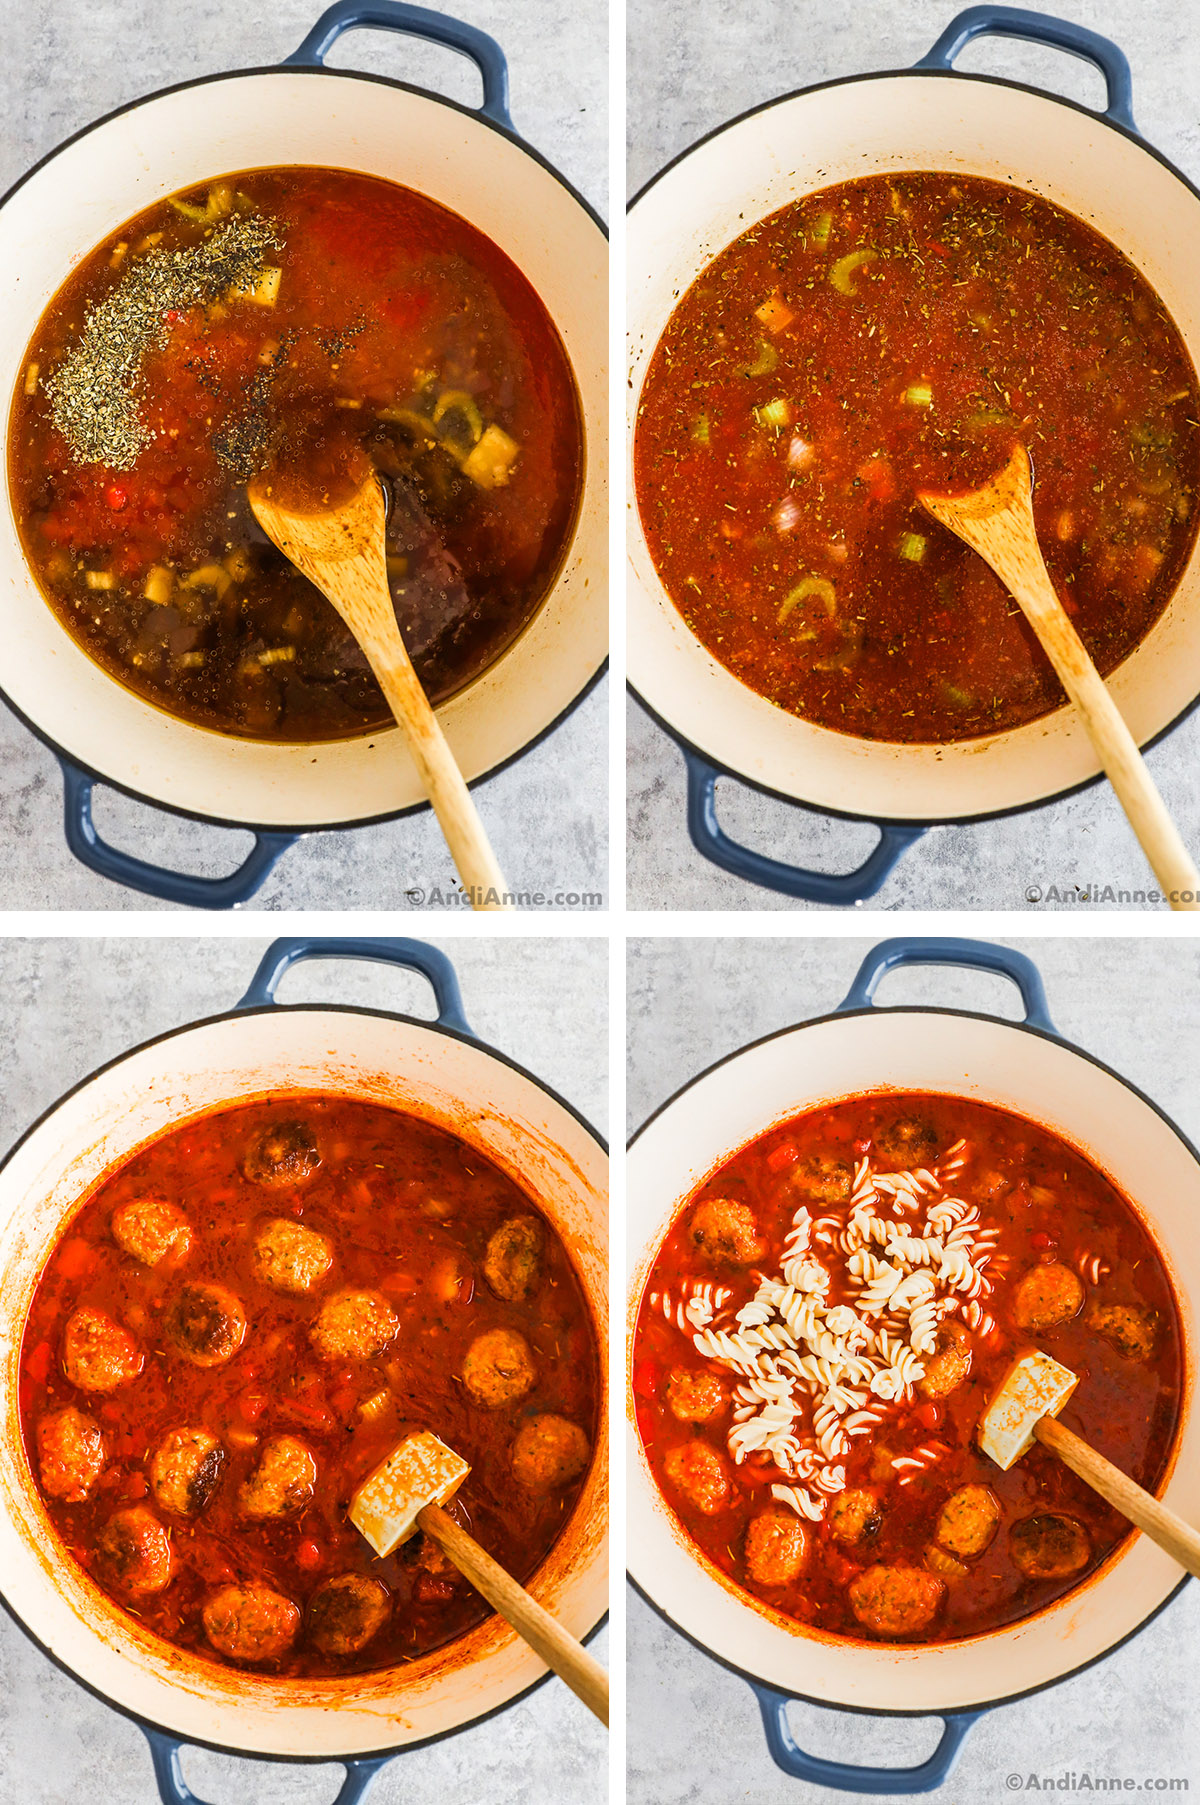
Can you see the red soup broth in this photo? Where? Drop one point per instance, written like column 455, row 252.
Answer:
column 287, row 320
column 407, row 1214
column 881, row 1556
column 892, row 335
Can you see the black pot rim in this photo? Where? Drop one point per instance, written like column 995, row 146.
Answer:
column 847, row 81
column 513, row 137
column 108, row 1065
column 974, row 1015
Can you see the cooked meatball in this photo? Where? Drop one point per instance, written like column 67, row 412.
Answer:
column 1045, row 1296
column 943, row 1564
column 907, row 1145
column 97, row 1353
column 353, row 1325
column 695, row 1397
column 152, row 1230
column 697, row 1470
column 822, row 1178
column 950, row 1363
column 549, row 1451
column 512, row 1264
column 1049, row 1547
column 968, row 1520
column 895, row 1601
column 284, row 1154
column 854, row 1515
column 346, row 1611
column 775, row 1547
column 289, row 1256
column 283, row 1481
column 250, row 1623
column 135, row 1551
column 498, row 1368
column 1131, row 1331
column 205, row 1324
column 726, row 1233
column 71, row 1454
column 184, row 1471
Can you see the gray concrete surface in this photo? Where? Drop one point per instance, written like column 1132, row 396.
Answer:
column 71, row 1005
column 693, row 64
column 547, row 815
column 694, row 1733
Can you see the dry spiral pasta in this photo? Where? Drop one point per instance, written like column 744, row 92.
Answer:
column 815, row 1375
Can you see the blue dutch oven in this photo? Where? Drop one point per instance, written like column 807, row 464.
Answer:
column 439, row 1070
column 930, row 117
column 1025, row 1067
column 471, row 161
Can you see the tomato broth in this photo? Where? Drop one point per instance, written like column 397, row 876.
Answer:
column 240, row 1324
column 891, row 335
column 916, row 1244
column 288, row 319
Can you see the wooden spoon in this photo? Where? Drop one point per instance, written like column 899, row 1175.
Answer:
column 1024, row 1410
column 341, row 549
column 997, row 522
column 405, row 1493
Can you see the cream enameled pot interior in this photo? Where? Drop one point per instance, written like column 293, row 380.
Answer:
column 380, row 1059
column 812, row 141
column 991, row 1062
column 91, row 187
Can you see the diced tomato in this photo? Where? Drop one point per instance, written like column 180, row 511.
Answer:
column 862, row 1148
column 1042, row 1241
column 428, row 1589
column 38, row 1365
column 251, row 1405
column 876, row 473
column 308, row 1555
column 116, row 496
column 345, row 1399
column 840, row 1570
column 647, row 1376
column 786, row 1154
column 75, row 1259
column 400, row 1284
column 135, row 1485
column 930, row 1414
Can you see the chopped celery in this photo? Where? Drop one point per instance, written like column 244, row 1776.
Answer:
column 406, row 416
column 842, row 272
column 189, row 211
column 491, row 461
column 159, row 585
column 822, row 226
column 775, row 413
column 208, row 576
column 277, row 655
column 821, row 587
column 958, row 698
column 765, row 362
column 190, row 661
column 989, row 416
column 774, row 313
column 919, row 394
column 912, row 547
column 700, row 432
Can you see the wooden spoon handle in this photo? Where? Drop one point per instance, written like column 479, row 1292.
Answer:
column 444, row 783
column 1171, row 1533
column 558, row 1649
column 1026, row 576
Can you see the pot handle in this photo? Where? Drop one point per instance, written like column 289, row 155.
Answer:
column 974, row 955
column 714, row 844
column 417, row 22
column 155, row 880
column 1040, row 28
column 361, row 1773
column 416, row 955
column 927, row 1776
